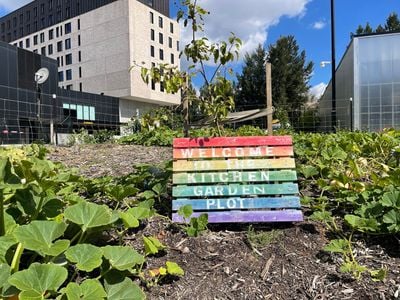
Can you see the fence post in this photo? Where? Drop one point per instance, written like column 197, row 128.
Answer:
column 268, row 93
column 186, row 109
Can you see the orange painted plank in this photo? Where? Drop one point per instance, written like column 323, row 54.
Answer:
column 233, row 164
column 261, row 151
column 233, row 141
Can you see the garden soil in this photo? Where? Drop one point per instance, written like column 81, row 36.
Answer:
column 273, row 261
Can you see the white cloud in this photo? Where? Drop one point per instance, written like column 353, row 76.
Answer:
column 319, row 25
column 318, row 90
column 249, row 20
column 9, row 5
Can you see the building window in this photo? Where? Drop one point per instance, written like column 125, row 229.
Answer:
column 58, row 61
column 34, row 51
column 80, row 72
column 35, row 12
column 28, row 15
column 15, row 22
column 28, row 29
column 177, row 45
column 67, row 44
column 57, row 32
column 51, row 22
column 80, row 86
column 160, row 38
column 35, row 39
column 8, row 24
column 171, row 27
column 68, row 59
column 170, row 42
column 153, row 84
column 3, row 27
column 21, row 31
column 43, row 51
column 172, row 59
column 21, row 44
column 79, row 56
column 61, row 76
column 42, row 37
column 68, row 74
column 151, row 18
column 59, row 46
column 161, row 54
column 79, row 22
column 51, row 34
column 67, row 28
column 160, row 22
column 42, row 8
column 67, row 12
column 152, row 34
column 43, row 23
column 68, row 87
column 152, row 51
column 27, row 43
column 60, row 30
column 50, row 4
column 62, row 61
column 79, row 40
column 50, row 49
column 21, row 19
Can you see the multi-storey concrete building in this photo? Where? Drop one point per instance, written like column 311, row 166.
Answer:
column 97, row 42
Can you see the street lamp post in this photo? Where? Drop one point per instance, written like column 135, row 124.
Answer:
column 333, row 64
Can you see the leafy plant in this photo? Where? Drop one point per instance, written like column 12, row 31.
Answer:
column 195, row 225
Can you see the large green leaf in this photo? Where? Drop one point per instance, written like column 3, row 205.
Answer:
column 393, row 219
column 122, row 257
column 129, row 220
column 152, row 245
column 5, row 272
column 87, row 257
column 391, row 199
column 89, row 215
column 39, row 236
column 125, row 290
column 5, row 243
column 90, row 289
column 174, row 269
column 35, row 281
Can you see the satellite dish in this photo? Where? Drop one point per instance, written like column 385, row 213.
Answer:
column 41, row 75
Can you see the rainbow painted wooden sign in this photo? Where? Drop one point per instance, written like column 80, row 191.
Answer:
column 236, row 179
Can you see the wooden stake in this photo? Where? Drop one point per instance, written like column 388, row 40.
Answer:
column 186, row 109
column 268, row 93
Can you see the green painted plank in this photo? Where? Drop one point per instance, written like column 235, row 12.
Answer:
column 234, row 190
column 233, row 164
column 234, row 176
column 237, row 203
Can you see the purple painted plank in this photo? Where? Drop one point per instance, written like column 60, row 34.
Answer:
column 289, row 215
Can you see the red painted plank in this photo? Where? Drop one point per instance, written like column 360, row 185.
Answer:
column 233, row 141
column 289, row 215
column 233, row 152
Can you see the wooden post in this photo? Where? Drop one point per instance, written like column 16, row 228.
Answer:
column 186, row 109
column 268, row 93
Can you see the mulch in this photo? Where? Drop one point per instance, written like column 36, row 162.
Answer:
column 223, row 264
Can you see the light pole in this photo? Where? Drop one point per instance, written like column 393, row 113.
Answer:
column 333, row 62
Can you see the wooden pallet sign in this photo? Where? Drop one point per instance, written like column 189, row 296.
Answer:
column 236, row 179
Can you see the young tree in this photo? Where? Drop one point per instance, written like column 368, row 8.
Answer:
column 218, row 100
column 290, row 76
column 250, row 88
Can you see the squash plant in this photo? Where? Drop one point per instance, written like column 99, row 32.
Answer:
column 47, row 231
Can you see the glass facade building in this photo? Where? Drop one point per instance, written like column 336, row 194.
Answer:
column 367, row 85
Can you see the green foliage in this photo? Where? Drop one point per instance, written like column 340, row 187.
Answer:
column 98, row 137
column 355, row 176
column 392, row 24
column 195, row 225
column 50, row 230
column 262, row 238
column 290, row 76
column 217, row 99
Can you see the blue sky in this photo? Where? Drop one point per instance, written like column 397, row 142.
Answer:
column 264, row 21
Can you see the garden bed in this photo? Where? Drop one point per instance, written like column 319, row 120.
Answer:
column 237, row 262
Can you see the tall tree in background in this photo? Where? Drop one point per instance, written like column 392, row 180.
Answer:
column 290, row 77
column 392, row 24
column 250, row 87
